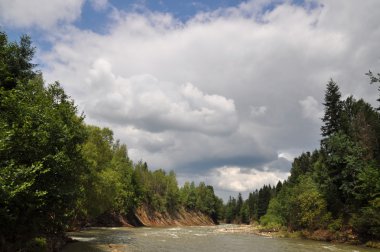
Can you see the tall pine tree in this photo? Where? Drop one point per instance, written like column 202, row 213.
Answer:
column 333, row 108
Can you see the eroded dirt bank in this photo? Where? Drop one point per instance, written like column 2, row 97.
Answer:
column 143, row 216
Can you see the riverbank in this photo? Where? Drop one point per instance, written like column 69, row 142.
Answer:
column 346, row 237
column 219, row 238
column 182, row 217
column 143, row 216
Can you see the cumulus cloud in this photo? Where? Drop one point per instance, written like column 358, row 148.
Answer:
column 39, row 13
column 226, row 90
column 155, row 105
column 236, row 179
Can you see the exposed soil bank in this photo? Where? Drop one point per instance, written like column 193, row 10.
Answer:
column 143, row 216
column 179, row 218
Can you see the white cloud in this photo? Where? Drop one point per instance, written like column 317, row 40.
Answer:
column 237, row 179
column 41, row 13
column 155, row 105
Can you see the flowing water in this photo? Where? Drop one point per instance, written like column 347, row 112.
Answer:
column 208, row 239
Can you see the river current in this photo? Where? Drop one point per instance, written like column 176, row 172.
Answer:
column 199, row 239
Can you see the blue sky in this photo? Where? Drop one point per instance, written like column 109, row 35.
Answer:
column 97, row 19
column 227, row 92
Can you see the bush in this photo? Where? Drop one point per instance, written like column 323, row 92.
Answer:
column 37, row 244
column 367, row 222
column 336, row 225
column 269, row 221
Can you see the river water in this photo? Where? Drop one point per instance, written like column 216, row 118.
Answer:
column 207, row 239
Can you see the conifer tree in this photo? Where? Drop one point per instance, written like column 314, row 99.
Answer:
column 263, row 200
column 333, row 107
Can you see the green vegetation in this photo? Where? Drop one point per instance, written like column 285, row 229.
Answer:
column 40, row 143
column 252, row 209
column 112, row 183
column 56, row 172
column 337, row 187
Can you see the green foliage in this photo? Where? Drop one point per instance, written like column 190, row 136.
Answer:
column 348, row 153
column 219, row 210
column 367, row 187
column 311, row 204
column 367, row 221
column 15, row 61
column 299, row 206
column 252, row 209
column 273, row 219
column 125, row 199
column 113, row 184
column 37, row 244
column 336, row 187
column 265, row 194
column 230, row 212
column 107, row 185
column 40, row 143
column 252, row 202
column 244, row 213
column 207, row 202
column 336, row 224
column 301, row 165
column 333, row 108
column 344, row 161
column 362, row 124
column 173, row 200
column 188, row 195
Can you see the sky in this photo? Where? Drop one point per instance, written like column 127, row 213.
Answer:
column 227, row 92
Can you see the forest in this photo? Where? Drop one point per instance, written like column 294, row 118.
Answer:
column 56, row 172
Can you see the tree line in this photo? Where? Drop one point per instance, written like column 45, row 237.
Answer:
column 334, row 188
column 241, row 211
column 57, row 172
column 337, row 187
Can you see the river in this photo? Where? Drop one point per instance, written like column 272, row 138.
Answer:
column 208, row 239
